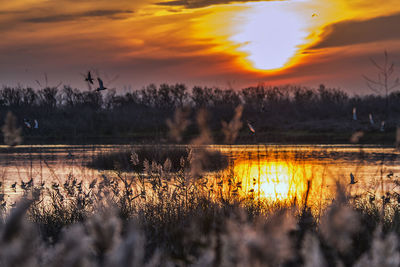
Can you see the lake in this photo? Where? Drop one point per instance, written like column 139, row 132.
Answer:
column 261, row 172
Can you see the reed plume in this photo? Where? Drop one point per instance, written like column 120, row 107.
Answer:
column 231, row 129
column 11, row 132
column 178, row 125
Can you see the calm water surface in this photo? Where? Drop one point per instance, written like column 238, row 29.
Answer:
column 275, row 172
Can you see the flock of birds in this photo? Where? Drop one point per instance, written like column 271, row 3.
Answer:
column 90, row 80
column 29, row 126
column 382, row 129
column 371, row 119
column 101, row 87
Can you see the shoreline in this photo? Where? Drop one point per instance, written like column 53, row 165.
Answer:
column 276, row 137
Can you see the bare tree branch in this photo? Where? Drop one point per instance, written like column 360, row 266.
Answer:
column 372, row 81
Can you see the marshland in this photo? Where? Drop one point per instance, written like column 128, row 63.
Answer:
column 199, row 133
column 265, row 176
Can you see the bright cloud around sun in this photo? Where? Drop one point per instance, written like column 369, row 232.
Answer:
column 270, row 34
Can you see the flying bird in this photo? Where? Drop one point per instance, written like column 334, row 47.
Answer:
column 101, row 85
column 30, row 183
column 89, row 78
column 314, row 15
column 371, row 120
column 251, row 127
column 354, row 113
column 382, row 129
column 36, row 126
column 352, row 179
column 27, row 123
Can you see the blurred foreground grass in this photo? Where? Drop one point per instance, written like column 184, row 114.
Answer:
column 161, row 217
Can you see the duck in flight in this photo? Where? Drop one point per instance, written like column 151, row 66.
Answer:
column 89, row 78
column 382, row 129
column 371, row 119
column 251, row 127
column 354, row 113
column 27, row 123
column 101, row 85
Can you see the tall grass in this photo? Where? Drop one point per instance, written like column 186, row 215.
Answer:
column 140, row 219
column 122, row 159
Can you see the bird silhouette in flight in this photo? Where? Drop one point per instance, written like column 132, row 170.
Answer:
column 27, row 123
column 251, row 127
column 371, row 119
column 13, row 186
column 354, row 113
column 352, row 181
column 101, row 85
column 89, row 78
column 314, row 15
column 382, row 129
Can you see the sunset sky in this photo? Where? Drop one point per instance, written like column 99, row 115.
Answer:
column 230, row 44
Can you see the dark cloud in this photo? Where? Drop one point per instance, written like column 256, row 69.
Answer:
column 67, row 17
column 203, row 3
column 359, row 32
column 11, row 12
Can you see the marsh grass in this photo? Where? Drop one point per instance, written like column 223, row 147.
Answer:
column 112, row 221
column 122, row 159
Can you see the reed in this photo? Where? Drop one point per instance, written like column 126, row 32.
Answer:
column 122, row 159
column 125, row 221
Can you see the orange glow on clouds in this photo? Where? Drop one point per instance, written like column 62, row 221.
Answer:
column 265, row 36
column 204, row 44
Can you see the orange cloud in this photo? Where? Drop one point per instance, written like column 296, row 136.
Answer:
column 351, row 32
column 146, row 42
column 203, row 3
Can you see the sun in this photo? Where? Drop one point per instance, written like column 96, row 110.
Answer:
column 269, row 34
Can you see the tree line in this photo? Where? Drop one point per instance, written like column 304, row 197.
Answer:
column 65, row 113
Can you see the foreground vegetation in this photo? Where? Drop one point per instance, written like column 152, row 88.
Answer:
column 122, row 159
column 163, row 218
column 278, row 114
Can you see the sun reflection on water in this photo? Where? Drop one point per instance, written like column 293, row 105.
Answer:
column 283, row 178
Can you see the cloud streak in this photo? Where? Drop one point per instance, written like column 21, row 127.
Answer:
column 203, row 3
column 114, row 14
column 353, row 32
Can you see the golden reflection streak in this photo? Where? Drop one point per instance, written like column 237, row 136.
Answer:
column 280, row 180
column 276, row 178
